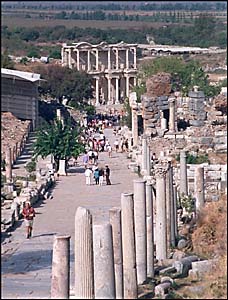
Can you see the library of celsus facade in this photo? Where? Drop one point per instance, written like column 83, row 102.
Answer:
column 112, row 66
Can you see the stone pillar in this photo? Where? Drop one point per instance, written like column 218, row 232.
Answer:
column 148, row 167
column 8, row 165
column 109, row 90
column 128, row 240
column 117, row 91
column 170, row 207
column 60, row 282
column 88, row 61
column 127, row 85
column 62, row 56
column 199, row 188
column 109, row 59
column 161, row 233
column 115, row 221
column 97, row 60
column 70, row 58
column 78, row 59
column 117, row 59
column 84, row 276
column 104, row 275
column 163, row 124
column 171, row 114
column 144, row 154
column 62, row 167
column 140, row 229
column 175, row 210
column 135, row 60
column 127, row 59
column 183, row 174
column 135, row 127
column 135, row 81
column 150, row 231
column 97, row 91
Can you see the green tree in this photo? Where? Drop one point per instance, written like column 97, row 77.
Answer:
column 62, row 81
column 63, row 142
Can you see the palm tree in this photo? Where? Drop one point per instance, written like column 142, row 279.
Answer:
column 62, row 141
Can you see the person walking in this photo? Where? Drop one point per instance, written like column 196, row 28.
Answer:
column 109, row 149
column 28, row 213
column 101, row 176
column 88, row 174
column 85, row 159
column 116, row 144
column 107, row 175
column 96, row 176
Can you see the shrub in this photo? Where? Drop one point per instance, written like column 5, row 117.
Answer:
column 31, row 166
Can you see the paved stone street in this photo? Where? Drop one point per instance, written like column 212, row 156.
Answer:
column 26, row 264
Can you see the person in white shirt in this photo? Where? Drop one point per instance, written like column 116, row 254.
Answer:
column 109, row 149
column 88, row 174
column 116, row 144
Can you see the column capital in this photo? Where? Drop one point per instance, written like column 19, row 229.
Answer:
column 161, row 169
column 171, row 99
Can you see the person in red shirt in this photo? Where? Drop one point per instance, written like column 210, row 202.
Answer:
column 28, row 213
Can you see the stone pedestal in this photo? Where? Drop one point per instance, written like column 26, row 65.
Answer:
column 150, row 231
column 115, row 221
column 199, row 188
column 62, row 167
column 161, row 226
column 140, row 229
column 104, row 274
column 60, row 283
column 183, row 174
column 128, row 240
column 84, row 277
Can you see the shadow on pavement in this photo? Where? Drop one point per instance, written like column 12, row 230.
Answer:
column 78, row 170
column 44, row 234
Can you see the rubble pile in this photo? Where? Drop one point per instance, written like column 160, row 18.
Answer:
column 12, row 131
column 159, row 85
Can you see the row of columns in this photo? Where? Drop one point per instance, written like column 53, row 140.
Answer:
column 112, row 259
column 117, row 88
column 67, row 58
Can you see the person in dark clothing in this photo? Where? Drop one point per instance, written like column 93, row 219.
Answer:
column 107, row 175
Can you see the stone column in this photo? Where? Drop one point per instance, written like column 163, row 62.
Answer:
column 199, row 188
column 84, row 276
column 104, row 274
column 135, row 81
column 8, row 165
column 60, row 282
column 163, row 124
column 171, row 114
column 88, row 61
column 70, row 59
column 62, row 56
column 109, row 90
column 97, row 60
column 97, row 91
column 140, row 229
column 128, row 240
column 175, row 210
column 109, row 59
column 161, row 233
column 117, row 91
column 150, row 230
column 135, row 60
column 127, row 58
column 127, row 85
column 78, row 59
column 135, row 127
column 117, row 59
column 62, row 167
column 144, row 154
column 115, row 221
column 183, row 174
column 148, row 167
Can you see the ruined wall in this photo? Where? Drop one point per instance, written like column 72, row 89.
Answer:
column 156, row 98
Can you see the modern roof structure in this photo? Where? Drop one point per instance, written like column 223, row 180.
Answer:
column 32, row 77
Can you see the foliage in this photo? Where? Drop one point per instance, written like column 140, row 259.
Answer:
column 188, row 203
column 55, row 53
column 3, row 180
column 31, row 166
column 6, row 61
column 90, row 110
column 33, row 53
column 46, row 111
column 62, row 81
column 185, row 75
column 24, row 60
column 195, row 159
column 140, row 89
column 60, row 141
